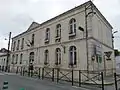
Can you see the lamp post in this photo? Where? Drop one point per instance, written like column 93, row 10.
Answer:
column 113, row 37
column 8, row 53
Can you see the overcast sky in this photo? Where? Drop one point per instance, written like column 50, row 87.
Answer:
column 17, row 15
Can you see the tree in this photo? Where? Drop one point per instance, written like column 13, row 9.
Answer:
column 117, row 53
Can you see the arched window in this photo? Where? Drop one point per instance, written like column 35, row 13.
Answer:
column 13, row 57
column 21, row 58
column 58, row 30
column 31, row 57
column 46, row 57
column 47, row 35
column 72, row 25
column 58, row 56
column 72, row 51
column 33, row 39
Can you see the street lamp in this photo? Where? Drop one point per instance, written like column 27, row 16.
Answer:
column 113, row 38
column 8, row 53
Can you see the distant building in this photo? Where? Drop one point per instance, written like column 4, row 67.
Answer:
column 117, row 58
column 3, row 58
column 61, row 42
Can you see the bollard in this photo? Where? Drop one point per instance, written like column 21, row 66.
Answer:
column 5, row 85
column 22, row 89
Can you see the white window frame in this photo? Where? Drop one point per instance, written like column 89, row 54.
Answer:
column 72, row 24
column 58, row 56
column 72, row 52
column 46, row 53
column 47, row 35
column 21, row 58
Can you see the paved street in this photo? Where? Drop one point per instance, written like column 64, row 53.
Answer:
column 16, row 82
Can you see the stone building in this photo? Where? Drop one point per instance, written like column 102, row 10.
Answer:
column 80, row 38
column 3, row 58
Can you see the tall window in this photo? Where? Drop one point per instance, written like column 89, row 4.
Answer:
column 18, row 44
column 13, row 57
column 58, row 32
column 46, row 57
column 16, row 58
column 73, row 55
column 14, row 44
column 21, row 57
column 72, row 25
column 22, row 44
column 47, row 37
column 31, row 57
column 58, row 56
column 33, row 37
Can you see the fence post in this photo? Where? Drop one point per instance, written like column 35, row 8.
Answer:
column 79, row 78
column 39, row 73
column 102, row 77
column 57, row 75
column 53, row 74
column 72, row 77
column 23, row 71
column 115, row 81
column 17, row 70
column 43, row 73
column 28, row 72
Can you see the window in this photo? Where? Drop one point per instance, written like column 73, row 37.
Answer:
column 16, row 58
column 58, row 56
column 31, row 57
column 22, row 44
column 47, row 37
column 46, row 57
column 18, row 44
column 72, row 27
column 13, row 57
column 14, row 44
column 58, row 32
column 73, row 56
column 21, row 57
column 32, row 42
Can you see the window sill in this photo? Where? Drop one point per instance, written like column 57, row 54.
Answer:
column 72, row 34
column 57, row 65
column 46, row 41
column 72, row 66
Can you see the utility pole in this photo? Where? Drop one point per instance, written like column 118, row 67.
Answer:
column 8, row 53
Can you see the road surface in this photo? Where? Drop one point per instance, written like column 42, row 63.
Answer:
column 15, row 82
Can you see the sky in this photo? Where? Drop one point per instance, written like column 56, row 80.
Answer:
column 17, row 15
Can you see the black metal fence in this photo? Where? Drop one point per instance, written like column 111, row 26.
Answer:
column 117, row 81
column 74, row 77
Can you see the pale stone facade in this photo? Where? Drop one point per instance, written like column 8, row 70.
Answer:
column 99, row 41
